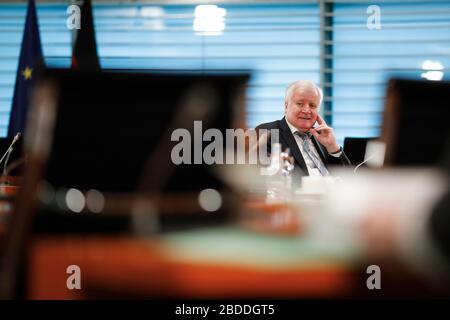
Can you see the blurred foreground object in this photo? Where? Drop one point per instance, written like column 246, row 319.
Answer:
column 415, row 123
column 212, row 263
column 99, row 147
column 389, row 211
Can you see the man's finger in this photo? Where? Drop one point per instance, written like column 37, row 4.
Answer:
column 320, row 119
column 322, row 128
column 314, row 133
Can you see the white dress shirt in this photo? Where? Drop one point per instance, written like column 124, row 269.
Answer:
column 312, row 169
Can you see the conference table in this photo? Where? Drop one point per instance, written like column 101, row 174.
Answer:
column 254, row 258
column 214, row 263
column 131, row 268
column 267, row 254
column 210, row 263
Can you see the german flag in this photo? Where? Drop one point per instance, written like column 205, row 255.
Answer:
column 84, row 54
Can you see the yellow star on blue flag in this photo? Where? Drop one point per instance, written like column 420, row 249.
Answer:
column 27, row 73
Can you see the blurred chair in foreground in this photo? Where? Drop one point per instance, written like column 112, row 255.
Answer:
column 415, row 122
column 100, row 148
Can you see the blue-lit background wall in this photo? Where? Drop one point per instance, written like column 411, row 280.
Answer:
column 279, row 42
column 363, row 60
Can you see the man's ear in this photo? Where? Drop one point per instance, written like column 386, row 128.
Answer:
column 285, row 106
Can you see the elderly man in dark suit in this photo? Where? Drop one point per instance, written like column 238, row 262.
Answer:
column 314, row 148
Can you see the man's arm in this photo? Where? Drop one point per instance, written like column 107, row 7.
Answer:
column 325, row 136
column 339, row 159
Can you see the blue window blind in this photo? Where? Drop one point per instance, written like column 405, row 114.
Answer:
column 414, row 37
column 278, row 42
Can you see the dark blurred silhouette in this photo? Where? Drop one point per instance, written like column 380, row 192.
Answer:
column 112, row 132
column 439, row 224
column 415, row 124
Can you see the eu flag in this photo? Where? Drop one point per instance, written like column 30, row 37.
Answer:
column 30, row 59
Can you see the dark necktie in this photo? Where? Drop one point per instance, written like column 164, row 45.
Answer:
column 306, row 148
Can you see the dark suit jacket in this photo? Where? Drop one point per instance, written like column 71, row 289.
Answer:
column 287, row 140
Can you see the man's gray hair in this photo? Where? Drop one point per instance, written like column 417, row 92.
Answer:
column 303, row 84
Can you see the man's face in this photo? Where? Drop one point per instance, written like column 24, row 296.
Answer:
column 302, row 107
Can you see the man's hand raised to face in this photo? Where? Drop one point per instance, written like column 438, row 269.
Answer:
column 325, row 135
